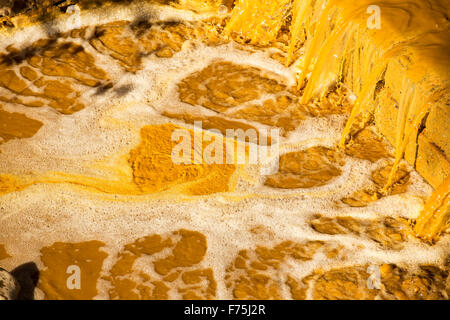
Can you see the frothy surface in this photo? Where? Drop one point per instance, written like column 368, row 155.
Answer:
column 74, row 183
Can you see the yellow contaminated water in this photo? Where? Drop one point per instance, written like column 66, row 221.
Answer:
column 305, row 169
column 88, row 183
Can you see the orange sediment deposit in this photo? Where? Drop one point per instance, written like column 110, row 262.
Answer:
column 102, row 121
column 128, row 42
column 153, row 167
column 14, row 125
column 396, row 283
column 390, row 233
column 281, row 112
column 399, row 180
column 379, row 177
column 3, row 253
column 313, row 167
column 261, row 274
column 86, row 260
column 344, row 283
column 411, row 33
column 178, row 274
column 156, row 267
column 224, row 85
column 258, row 274
column 361, row 198
column 228, row 88
column 233, row 96
column 49, row 72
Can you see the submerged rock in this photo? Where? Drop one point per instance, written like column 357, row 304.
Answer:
column 9, row 287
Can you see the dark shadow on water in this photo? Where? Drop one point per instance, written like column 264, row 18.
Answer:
column 27, row 275
column 13, row 58
column 119, row 91
column 123, row 90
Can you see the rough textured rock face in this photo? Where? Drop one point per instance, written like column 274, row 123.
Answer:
column 9, row 287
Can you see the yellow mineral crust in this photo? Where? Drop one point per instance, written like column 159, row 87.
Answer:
column 313, row 167
column 154, row 169
column 86, row 259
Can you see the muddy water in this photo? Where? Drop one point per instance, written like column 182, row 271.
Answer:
column 87, row 182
